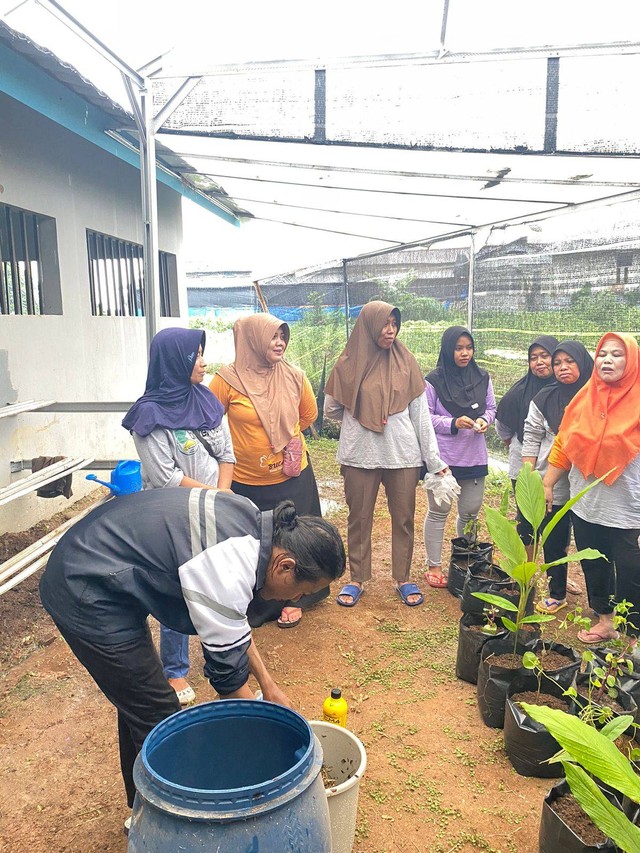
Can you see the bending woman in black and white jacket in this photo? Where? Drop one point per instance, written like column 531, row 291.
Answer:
column 194, row 559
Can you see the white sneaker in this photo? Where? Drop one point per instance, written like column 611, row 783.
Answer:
column 127, row 825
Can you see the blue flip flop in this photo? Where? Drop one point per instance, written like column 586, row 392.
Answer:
column 405, row 590
column 350, row 589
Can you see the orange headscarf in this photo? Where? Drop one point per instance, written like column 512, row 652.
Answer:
column 274, row 389
column 370, row 382
column 600, row 429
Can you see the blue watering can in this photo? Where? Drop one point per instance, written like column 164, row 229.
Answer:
column 125, row 478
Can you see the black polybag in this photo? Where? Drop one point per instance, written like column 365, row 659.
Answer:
column 564, row 675
column 470, row 645
column 527, row 743
column 556, row 837
column 462, row 556
column 630, row 682
column 624, row 699
column 500, row 584
column 493, row 681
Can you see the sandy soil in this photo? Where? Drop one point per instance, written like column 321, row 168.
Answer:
column 437, row 779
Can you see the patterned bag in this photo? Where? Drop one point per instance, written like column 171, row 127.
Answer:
column 292, row 457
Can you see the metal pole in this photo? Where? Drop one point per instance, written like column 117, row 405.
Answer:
column 345, row 280
column 443, row 29
column 150, row 214
column 472, row 260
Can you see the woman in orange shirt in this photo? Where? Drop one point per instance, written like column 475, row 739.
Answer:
column 269, row 402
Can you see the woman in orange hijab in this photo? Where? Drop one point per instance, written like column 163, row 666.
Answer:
column 268, row 403
column 600, row 434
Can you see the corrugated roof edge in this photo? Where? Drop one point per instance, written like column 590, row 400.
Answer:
column 71, row 78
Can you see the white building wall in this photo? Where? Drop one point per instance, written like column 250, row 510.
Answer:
column 73, row 357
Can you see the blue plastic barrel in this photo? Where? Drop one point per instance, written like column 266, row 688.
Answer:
column 235, row 776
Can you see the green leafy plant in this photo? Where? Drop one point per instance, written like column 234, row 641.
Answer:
column 490, row 625
column 515, row 562
column 531, row 661
column 605, row 671
column 470, row 532
column 586, row 753
column 575, row 617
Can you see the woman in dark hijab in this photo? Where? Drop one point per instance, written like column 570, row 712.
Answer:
column 462, row 406
column 514, row 407
column 182, row 441
column 572, row 368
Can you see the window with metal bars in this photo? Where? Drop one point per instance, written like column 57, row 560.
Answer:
column 116, row 278
column 29, row 273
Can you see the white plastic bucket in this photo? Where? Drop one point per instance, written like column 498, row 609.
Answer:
column 345, row 760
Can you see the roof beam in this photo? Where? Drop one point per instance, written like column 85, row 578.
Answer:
column 500, row 54
column 376, row 190
column 316, row 209
column 399, row 173
column 87, row 36
column 605, row 201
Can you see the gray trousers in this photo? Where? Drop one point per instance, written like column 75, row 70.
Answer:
column 361, row 487
column 469, row 503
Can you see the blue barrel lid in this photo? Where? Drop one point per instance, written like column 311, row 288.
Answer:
column 231, row 803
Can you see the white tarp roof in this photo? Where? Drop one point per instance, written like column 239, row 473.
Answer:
column 490, row 136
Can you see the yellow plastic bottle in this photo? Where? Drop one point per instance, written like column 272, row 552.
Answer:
column 334, row 708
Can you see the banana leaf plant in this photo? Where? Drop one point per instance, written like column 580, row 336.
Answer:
column 515, row 562
column 587, row 753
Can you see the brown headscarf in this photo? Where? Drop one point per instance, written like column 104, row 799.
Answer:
column 369, row 381
column 274, row 389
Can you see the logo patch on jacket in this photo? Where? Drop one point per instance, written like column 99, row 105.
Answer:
column 186, row 441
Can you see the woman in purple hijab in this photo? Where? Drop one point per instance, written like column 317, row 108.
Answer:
column 182, row 441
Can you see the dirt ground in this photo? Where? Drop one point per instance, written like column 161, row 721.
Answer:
column 437, row 779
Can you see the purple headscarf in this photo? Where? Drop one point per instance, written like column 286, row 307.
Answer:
column 169, row 399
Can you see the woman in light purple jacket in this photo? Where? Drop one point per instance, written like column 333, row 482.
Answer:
column 462, row 406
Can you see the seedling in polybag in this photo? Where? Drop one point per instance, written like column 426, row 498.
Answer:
column 489, row 615
column 515, row 562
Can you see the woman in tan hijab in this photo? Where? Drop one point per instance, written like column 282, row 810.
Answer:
column 269, row 402
column 377, row 390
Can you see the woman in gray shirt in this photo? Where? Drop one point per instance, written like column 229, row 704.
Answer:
column 377, row 390
column 182, row 441
column 572, row 368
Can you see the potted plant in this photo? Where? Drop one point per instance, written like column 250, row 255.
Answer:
column 515, row 563
column 625, row 650
column 466, row 550
column 486, row 578
column 474, row 631
column 596, row 694
column 524, row 572
column 587, row 753
column 528, row 744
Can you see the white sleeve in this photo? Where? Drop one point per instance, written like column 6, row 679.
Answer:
column 332, row 408
column 217, row 586
column 423, row 425
column 534, row 431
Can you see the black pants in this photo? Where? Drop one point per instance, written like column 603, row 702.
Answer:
column 620, row 576
column 303, row 491
column 555, row 548
column 130, row 676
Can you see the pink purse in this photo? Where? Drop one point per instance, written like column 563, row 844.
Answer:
column 292, row 457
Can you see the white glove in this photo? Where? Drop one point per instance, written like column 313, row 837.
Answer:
column 444, row 488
